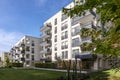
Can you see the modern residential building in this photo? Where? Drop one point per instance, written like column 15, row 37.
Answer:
column 26, row 50
column 64, row 33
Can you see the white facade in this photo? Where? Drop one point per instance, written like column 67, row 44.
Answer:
column 26, row 50
column 65, row 31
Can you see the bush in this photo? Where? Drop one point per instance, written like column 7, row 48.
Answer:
column 45, row 65
column 17, row 64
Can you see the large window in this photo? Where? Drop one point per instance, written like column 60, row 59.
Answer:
column 64, row 26
column 55, row 47
column 64, row 17
column 75, row 52
column 33, row 44
column 56, row 38
column 32, row 56
column 55, row 22
column 64, row 35
column 64, row 54
column 64, row 45
column 75, row 42
column 75, row 30
column 32, row 50
column 27, row 48
column 75, row 20
column 55, row 30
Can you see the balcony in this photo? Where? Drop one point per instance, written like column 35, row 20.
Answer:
column 86, row 25
column 46, row 35
column 85, row 19
column 45, row 51
column 46, row 43
column 47, row 59
column 86, row 39
column 86, row 52
column 46, row 27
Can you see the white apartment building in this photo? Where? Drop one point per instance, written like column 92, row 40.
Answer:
column 27, row 51
column 65, row 35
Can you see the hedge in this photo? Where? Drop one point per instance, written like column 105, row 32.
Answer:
column 17, row 64
column 45, row 65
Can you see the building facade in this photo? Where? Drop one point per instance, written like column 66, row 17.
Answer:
column 27, row 51
column 65, row 36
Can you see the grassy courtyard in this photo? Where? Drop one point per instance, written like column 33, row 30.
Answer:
column 28, row 74
column 31, row 74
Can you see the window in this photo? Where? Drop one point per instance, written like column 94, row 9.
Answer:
column 63, row 45
column 66, row 44
column 33, row 50
column 75, row 20
column 55, row 30
column 75, row 31
column 64, row 35
column 56, row 38
column 75, row 42
column 33, row 44
column 75, row 52
column 55, row 55
column 64, row 17
column 55, row 48
column 64, row 26
column 27, row 48
column 55, row 22
column 64, row 54
column 32, row 56
column 27, row 56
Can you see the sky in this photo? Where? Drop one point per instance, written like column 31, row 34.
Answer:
column 24, row 17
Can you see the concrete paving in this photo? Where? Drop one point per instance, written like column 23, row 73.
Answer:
column 57, row 70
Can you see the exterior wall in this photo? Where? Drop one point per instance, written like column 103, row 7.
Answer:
column 23, row 51
column 80, row 22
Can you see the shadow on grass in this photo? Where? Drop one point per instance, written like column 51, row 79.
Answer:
column 101, row 75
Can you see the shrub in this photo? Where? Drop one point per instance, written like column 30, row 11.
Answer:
column 17, row 64
column 45, row 65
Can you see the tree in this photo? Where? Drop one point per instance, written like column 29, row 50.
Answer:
column 7, row 61
column 105, row 37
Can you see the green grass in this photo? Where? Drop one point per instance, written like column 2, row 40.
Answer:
column 31, row 74
column 28, row 74
column 105, row 75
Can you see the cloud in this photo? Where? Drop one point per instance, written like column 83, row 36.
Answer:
column 7, row 39
column 40, row 2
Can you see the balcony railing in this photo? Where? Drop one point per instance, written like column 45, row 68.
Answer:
column 46, row 27
column 86, row 39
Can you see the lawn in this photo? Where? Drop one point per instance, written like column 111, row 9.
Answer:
column 28, row 74
column 105, row 75
column 32, row 74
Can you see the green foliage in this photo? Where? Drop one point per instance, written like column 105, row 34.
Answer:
column 45, row 65
column 109, row 11
column 17, row 64
column 105, row 40
column 7, row 61
column 29, row 74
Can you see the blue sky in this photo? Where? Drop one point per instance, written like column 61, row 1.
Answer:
column 24, row 17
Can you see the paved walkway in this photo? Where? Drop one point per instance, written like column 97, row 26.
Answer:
column 57, row 70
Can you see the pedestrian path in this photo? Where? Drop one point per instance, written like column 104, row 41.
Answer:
column 57, row 70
